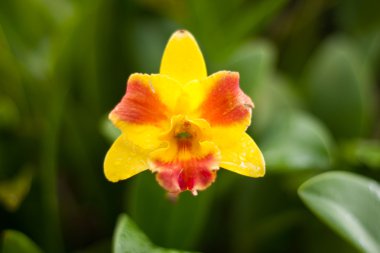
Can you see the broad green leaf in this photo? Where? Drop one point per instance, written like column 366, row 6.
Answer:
column 339, row 88
column 15, row 241
column 128, row 238
column 349, row 204
column 297, row 141
column 13, row 191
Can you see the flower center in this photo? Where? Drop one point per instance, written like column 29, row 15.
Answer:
column 184, row 131
column 183, row 135
column 189, row 160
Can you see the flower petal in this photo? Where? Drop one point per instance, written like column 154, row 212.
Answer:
column 219, row 100
column 244, row 158
column 194, row 174
column 124, row 160
column 225, row 103
column 182, row 59
column 146, row 107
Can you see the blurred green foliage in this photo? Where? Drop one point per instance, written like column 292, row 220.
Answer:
column 14, row 241
column 311, row 67
column 128, row 239
column 349, row 204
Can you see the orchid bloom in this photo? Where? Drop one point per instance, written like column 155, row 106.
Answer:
column 182, row 124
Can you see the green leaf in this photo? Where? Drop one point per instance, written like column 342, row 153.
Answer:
column 340, row 89
column 13, row 191
column 128, row 238
column 15, row 241
column 297, row 141
column 363, row 152
column 349, row 204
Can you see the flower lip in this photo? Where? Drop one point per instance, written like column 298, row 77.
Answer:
column 189, row 160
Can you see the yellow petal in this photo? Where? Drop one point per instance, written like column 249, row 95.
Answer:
column 194, row 93
column 124, row 160
column 182, row 59
column 143, row 136
column 167, row 88
column 244, row 158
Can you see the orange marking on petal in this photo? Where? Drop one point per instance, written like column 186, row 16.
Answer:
column 226, row 103
column 140, row 104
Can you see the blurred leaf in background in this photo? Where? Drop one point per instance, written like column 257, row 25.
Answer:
column 13, row 191
column 15, row 241
column 339, row 88
column 349, row 204
column 298, row 141
column 363, row 152
column 129, row 239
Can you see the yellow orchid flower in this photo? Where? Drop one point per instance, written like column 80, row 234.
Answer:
column 182, row 124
